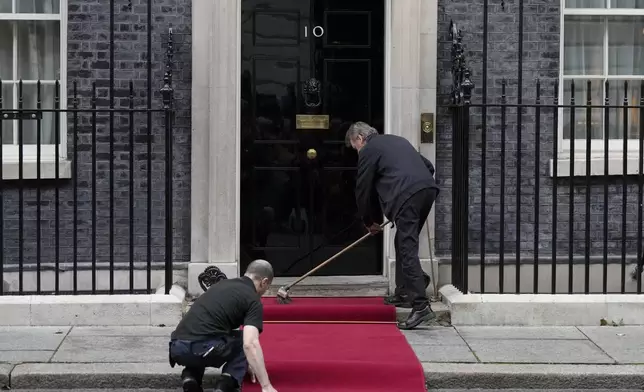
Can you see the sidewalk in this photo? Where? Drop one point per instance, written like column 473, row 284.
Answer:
column 453, row 357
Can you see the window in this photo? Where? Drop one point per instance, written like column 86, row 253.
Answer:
column 32, row 48
column 603, row 42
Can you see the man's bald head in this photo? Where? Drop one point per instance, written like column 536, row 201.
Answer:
column 261, row 272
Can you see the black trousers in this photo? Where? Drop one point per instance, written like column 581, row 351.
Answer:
column 196, row 356
column 409, row 223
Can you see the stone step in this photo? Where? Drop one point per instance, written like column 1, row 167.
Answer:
column 347, row 286
column 334, row 286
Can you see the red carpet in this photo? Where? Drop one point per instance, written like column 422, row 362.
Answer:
column 357, row 348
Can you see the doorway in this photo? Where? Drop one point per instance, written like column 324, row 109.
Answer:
column 310, row 68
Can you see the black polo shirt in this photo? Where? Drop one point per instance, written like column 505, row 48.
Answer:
column 226, row 306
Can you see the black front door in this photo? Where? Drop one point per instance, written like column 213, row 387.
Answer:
column 310, row 68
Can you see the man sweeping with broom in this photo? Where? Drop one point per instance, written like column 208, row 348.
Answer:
column 404, row 182
column 207, row 336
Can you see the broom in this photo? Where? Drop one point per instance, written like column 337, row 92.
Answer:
column 283, row 296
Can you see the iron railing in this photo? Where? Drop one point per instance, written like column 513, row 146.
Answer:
column 95, row 215
column 514, row 205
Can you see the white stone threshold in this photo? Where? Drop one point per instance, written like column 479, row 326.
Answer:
column 542, row 309
column 334, row 286
column 93, row 310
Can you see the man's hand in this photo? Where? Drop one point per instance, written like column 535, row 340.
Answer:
column 374, row 228
column 253, row 379
column 269, row 389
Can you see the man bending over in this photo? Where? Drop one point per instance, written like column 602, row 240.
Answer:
column 392, row 171
column 208, row 335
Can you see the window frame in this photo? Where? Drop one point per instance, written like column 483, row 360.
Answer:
column 615, row 146
column 10, row 152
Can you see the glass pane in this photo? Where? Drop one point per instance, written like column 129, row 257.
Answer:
column 639, row 4
column 583, row 45
column 616, row 118
column 7, row 103
column 581, row 99
column 5, row 6
column 6, row 50
column 626, row 45
column 29, row 127
column 38, row 50
column 38, row 6
column 586, row 3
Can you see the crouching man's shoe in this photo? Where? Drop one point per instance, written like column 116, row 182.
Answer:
column 417, row 317
column 226, row 384
column 190, row 384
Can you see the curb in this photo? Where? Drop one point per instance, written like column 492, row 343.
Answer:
column 438, row 376
column 100, row 376
column 5, row 370
column 532, row 376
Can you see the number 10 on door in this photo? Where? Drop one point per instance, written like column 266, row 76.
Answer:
column 317, row 31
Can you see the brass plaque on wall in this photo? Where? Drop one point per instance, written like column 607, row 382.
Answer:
column 427, row 127
column 312, row 121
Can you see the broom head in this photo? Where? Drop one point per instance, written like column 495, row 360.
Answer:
column 282, row 296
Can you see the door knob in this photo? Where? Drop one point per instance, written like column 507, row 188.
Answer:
column 311, row 153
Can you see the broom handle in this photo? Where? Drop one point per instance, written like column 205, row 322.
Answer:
column 330, row 259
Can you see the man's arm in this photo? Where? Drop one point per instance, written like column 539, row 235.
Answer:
column 255, row 355
column 367, row 166
column 428, row 163
column 253, row 325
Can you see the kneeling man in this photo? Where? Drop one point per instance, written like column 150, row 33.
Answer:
column 209, row 336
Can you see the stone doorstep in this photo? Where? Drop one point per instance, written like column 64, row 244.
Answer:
column 542, row 309
column 92, row 310
column 441, row 310
column 438, row 376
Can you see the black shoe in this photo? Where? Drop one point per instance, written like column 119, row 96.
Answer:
column 397, row 300
column 226, row 384
column 417, row 317
column 190, row 384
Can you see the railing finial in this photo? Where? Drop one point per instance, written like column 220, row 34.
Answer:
column 167, row 91
column 462, row 84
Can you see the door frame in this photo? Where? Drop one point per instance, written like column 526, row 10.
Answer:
column 387, row 130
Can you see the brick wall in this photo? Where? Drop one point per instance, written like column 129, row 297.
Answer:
column 89, row 61
column 540, row 61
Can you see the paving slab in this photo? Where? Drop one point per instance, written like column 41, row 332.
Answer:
column 538, row 351
column 440, row 353
column 624, row 344
column 134, row 349
column 538, row 377
column 438, row 336
column 31, row 338
column 26, row 356
column 505, row 333
column 122, row 331
column 5, row 371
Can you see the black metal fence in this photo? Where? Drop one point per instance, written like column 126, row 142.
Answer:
column 85, row 212
column 520, row 222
